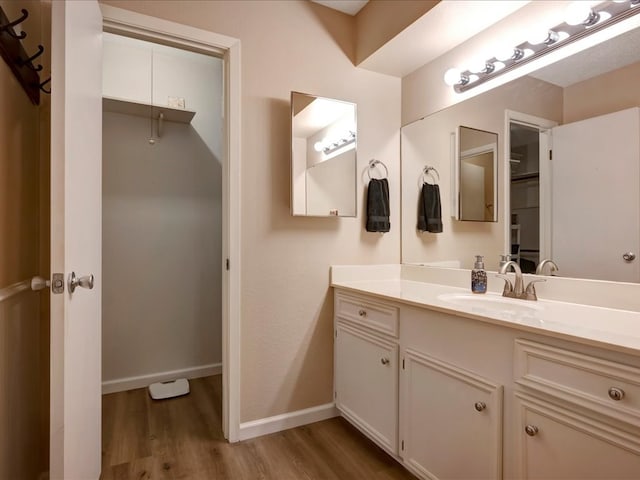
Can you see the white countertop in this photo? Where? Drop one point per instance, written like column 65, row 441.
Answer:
column 610, row 328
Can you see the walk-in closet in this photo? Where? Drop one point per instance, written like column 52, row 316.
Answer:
column 161, row 213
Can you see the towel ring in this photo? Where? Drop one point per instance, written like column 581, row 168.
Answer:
column 372, row 165
column 427, row 171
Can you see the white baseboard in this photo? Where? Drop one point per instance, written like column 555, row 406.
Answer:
column 286, row 421
column 129, row 383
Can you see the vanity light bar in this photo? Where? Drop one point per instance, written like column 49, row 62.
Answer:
column 338, row 144
column 583, row 22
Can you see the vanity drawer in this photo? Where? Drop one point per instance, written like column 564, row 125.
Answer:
column 368, row 313
column 607, row 387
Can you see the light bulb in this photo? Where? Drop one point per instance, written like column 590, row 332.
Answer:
column 480, row 66
column 452, row 77
column 543, row 35
column 580, row 13
column 318, row 146
column 508, row 53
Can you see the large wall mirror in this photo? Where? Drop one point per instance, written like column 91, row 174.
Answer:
column 323, row 156
column 582, row 207
column 477, row 175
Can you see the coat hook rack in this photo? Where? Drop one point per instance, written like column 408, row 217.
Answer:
column 7, row 26
column 29, row 61
column 41, row 86
column 20, row 63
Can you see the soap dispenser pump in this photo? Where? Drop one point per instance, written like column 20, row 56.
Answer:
column 478, row 276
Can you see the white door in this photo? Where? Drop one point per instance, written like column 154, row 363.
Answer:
column 76, row 171
column 472, row 198
column 596, row 197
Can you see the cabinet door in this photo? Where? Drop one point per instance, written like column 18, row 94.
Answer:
column 126, row 72
column 451, row 421
column 556, row 442
column 366, row 376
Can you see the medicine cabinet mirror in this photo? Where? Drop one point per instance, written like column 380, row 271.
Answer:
column 477, row 175
column 323, row 156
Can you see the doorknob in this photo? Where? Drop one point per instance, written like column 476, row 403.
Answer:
column 629, row 256
column 84, row 282
column 39, row 283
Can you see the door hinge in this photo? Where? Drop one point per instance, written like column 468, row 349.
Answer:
column 335, row 395
column 550, row 154
column 402, row 445
column 227, row 264
column 336, row 333
column 57, row 283
column 403, row 363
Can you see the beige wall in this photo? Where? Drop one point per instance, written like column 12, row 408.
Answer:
column 381, row 20
column 23, row 328
column 287, row 342
column 424, row 91
column 607, row 93
column 428, row 141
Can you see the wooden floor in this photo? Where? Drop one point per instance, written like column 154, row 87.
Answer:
column 181, row 438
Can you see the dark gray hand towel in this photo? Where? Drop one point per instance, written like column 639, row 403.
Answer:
column 429, row 210
column 378, row 205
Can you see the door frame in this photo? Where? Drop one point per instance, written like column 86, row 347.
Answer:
column 543, row 125
column 144, row 27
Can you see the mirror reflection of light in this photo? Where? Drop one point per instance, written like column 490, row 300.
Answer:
column 580, row 12
column 452, row 76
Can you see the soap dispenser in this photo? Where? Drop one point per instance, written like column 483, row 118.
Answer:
column 478, row 276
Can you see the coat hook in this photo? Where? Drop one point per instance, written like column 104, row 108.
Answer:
column 43, row 84
column 9, row 26
column 31, row 59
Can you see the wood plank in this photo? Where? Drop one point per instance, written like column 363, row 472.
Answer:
column 182, row 438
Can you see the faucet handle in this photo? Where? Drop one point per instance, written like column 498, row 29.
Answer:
column 508, row 286
column 530, row 291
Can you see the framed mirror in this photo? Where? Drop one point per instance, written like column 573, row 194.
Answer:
column 476, row 175
column 323, row 156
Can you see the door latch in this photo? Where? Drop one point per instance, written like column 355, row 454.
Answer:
column 57, row 283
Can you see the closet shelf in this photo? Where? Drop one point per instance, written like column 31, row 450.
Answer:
column 139, row 109
column 525, row 176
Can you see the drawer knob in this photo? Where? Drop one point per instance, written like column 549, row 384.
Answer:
column 531, row 430
column 616, row 394
column 384, row 361
column 362, row 313
column 480, row 406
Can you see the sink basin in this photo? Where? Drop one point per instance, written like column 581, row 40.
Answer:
column 493, row 303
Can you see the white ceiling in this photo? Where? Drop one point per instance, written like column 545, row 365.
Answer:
column 346, row 6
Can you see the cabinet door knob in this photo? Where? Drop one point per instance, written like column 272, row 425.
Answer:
column 384, row 361
column 616, row 394
column 480, row 406
column 531, row 430
column 362, row 313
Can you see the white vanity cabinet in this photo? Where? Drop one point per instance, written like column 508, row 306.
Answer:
column 578, row 415
column 463, row 398
column 452, row 420
column 366, row 367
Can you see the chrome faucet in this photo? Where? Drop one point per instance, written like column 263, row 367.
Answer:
column 552, row 267
column 517, row 289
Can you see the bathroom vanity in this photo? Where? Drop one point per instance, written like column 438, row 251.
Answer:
column 456, row 385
